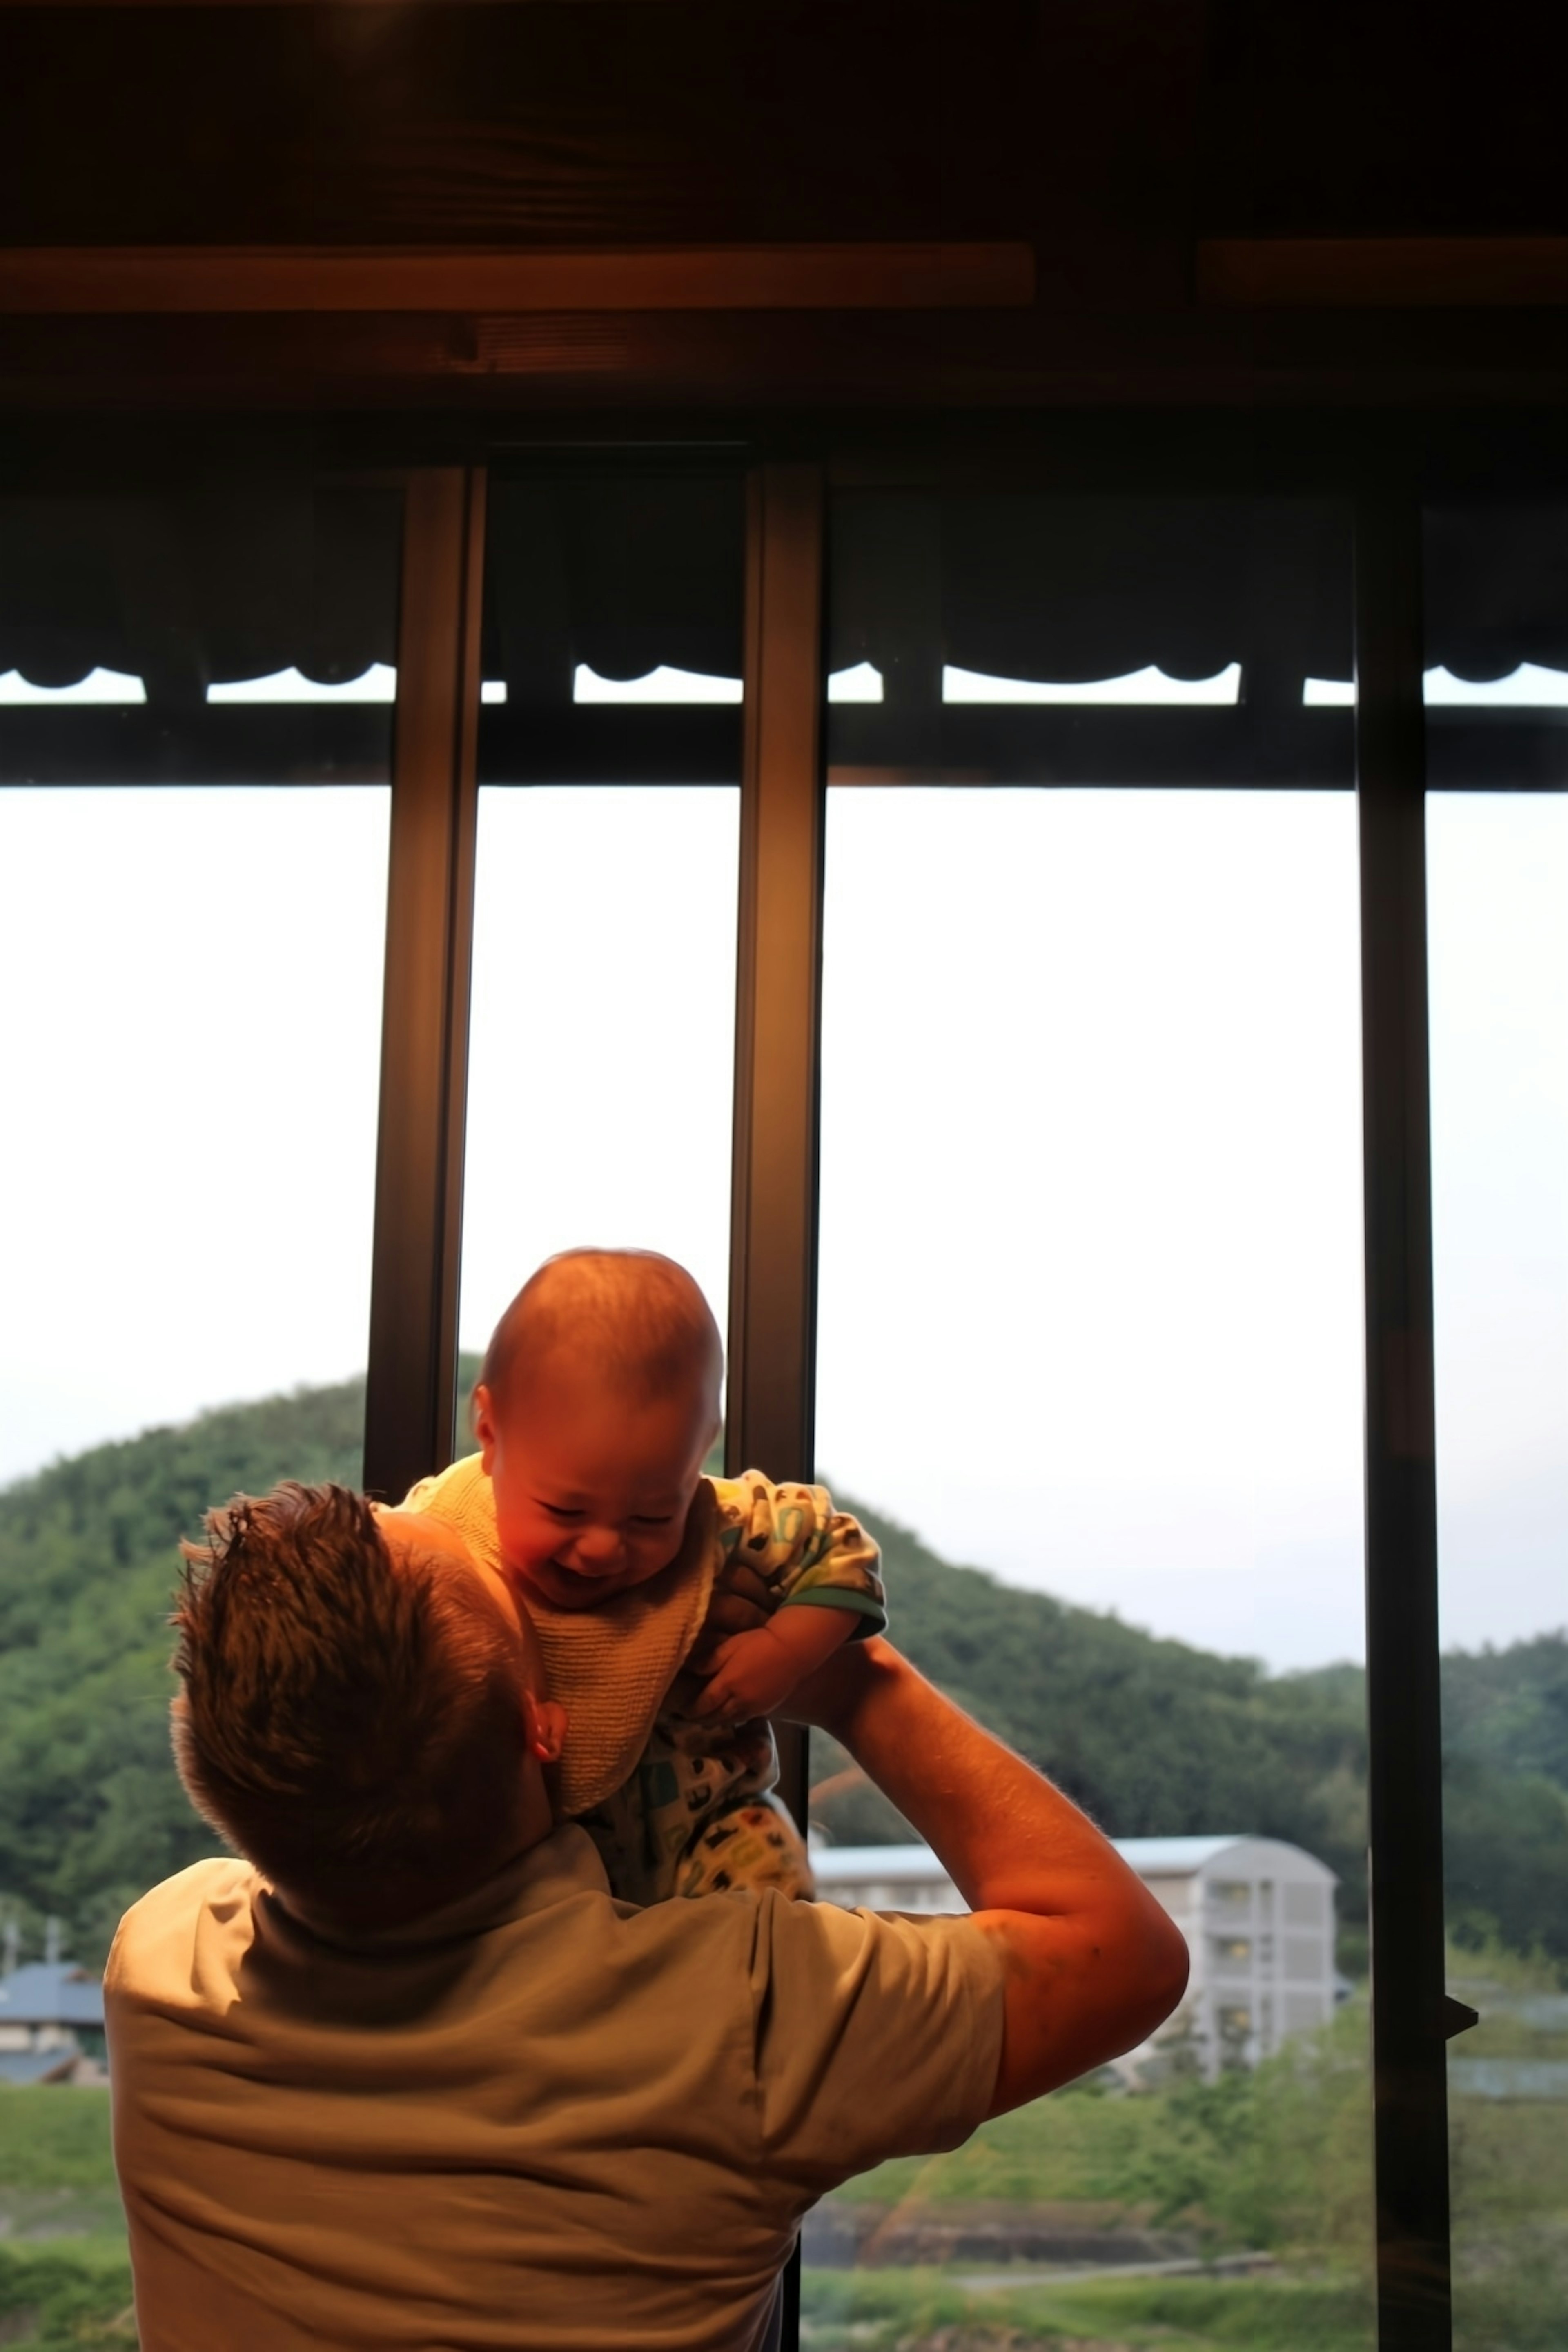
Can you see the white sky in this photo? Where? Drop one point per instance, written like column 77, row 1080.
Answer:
column 1091, row 1256
column 1497, row 924
column 190, row 1011
column 600, row 1079
column 1090, row 1306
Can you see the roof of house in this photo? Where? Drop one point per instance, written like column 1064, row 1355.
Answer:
column 51, row 1992
column 20, row 2068
column 1175, row 1856
column 835, row 1863
column 1151, row 1857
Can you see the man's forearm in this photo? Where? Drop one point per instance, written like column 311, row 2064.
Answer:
column 1092, row 1963
column 1010, row 1841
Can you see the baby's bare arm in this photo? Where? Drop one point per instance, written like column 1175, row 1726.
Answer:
column 756, row 1673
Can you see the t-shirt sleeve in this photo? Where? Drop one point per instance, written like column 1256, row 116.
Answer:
column 874, row 2037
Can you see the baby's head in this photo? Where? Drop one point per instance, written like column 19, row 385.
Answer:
column 597, row 1402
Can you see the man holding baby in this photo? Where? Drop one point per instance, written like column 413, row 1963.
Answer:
column 405, row 2072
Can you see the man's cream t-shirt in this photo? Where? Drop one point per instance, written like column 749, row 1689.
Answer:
column 548, row 2120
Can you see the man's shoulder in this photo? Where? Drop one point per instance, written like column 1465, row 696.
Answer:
column 461, row 1481
column 153, row 1946
column 766, row 1930
column 463, row 1499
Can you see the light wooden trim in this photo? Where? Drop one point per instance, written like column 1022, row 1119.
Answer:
column 1453, row 273
column 104, row 279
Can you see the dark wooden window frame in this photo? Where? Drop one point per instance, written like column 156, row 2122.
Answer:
column 409, row 1415
column 1386, row 467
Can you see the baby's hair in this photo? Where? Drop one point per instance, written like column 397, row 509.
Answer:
column 639, row 1319
column 349, row 1726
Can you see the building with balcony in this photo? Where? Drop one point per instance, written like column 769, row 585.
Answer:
column 1257, row 1915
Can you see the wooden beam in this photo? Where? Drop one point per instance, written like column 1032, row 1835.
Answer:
column 1400, row 273
column 108, row 279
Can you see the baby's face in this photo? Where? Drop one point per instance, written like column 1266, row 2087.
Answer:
column 592, row 1491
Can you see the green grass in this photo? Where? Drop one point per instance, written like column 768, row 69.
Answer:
column 65, row 2276
column 74, row 2297
column 1278, row 2158
column 909, row 2310
column 52, row 2137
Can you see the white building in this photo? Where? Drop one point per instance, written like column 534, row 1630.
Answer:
column 1257, row 1915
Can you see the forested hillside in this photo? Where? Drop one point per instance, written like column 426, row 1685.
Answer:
column 1153, row 1736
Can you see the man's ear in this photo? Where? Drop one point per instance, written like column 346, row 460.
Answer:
column 544, row 1722
column 485, row 1427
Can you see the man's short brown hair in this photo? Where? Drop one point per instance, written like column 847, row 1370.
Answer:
column 353, row 1728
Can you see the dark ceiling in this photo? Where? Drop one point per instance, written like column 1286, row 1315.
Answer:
column 645, row 119
column 1109, row 135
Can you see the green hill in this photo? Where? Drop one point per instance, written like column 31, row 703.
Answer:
column 90, row 1811
column 1153, row 1737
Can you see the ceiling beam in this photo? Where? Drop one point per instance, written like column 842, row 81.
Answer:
column 1384, row 272
column 103, row 281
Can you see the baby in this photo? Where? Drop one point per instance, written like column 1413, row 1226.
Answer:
column 597, row 1404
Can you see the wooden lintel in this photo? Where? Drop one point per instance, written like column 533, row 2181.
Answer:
column 109, row 279
column 1384, row 272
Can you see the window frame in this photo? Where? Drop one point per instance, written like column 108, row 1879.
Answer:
column 1388, row 466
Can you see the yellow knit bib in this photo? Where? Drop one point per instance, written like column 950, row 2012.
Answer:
column 611, row 1666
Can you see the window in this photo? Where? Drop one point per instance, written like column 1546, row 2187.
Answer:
column 1088, row 1344
column 191, row 964
column 1498, row 895
column 603, row 1031
column 1090, row 1310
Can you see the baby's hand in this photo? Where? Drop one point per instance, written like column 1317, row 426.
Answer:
column 753, row 1675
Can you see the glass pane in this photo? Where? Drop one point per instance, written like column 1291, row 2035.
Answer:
column 1498, row 929
column 600, row 1068
column 604, row 1024
column 190, row 1008
column 1089, row 1360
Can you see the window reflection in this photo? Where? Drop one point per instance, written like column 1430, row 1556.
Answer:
column 1497, row 620
column 190, row 995
column 604, row 1008
column 190, row 1221
column 1498, row 899
column 191, row 964
column 600, row 1074
column 1090, row 1346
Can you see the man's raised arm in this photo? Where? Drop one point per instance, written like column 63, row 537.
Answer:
column 1093, row 1964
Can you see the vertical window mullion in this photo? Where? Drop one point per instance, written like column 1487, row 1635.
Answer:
column 771, row 1416
column 411, row 1390
column 1405, row 1728
column 772, row 1309
column 779, row 1027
